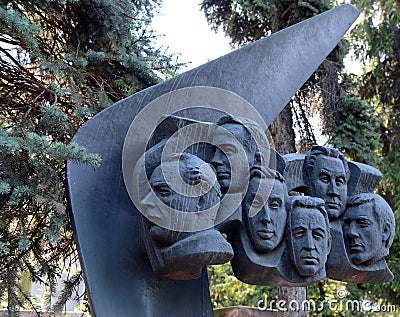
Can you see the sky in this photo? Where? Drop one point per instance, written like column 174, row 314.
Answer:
column 186, row 32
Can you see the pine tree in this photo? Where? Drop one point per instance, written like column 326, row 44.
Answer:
column 376, row 42
column 61, row 62
column 245, row 21
column 327, row 91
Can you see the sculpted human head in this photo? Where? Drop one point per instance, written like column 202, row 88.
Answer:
column 162, row 198
column 326, row 174
column 264, row 209
column 236, row 151
column 308, row 234
column 368, row 228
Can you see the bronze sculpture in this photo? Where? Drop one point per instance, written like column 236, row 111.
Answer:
column 264, row 209
column 176, row 247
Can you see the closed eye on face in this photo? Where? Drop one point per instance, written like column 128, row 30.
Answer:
column 363, row 222
column 257, row 202
column 228, row 148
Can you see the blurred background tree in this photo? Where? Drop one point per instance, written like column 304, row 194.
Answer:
column 376, row 43
column 61, row 62
column 328, row 92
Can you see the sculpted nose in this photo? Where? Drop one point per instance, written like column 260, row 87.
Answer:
column 309, row 241
column 266, row 217
column 148, row 201
column 217, row 158
column 352, row 233
column 333, row 189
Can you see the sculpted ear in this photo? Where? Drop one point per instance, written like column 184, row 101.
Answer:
column 329, row 241
column 386, row 232
column 259, row 157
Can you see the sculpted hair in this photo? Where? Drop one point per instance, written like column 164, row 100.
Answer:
column 256, row 140
column 360, row 199
column 311, row 156
column 258, row 173
column 307, row 202
column 266, row 172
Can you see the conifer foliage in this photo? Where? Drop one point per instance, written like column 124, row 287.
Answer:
column 61, row 62
column 328, row 93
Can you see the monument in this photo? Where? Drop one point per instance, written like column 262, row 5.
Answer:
column 187, row 160
column 355, row 213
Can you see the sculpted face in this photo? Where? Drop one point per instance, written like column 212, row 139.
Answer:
column 229, row 156
column 329, row 183
column 156, row 205
column 166, row 195
column 267, row 227
column 363, row 235
column 309, row 240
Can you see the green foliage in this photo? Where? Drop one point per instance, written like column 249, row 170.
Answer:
column 226, row 290
column 245, row 21
column 376, row 42
column 325, row 298
column 61, row 62
column 5, row 188
column 353, row 129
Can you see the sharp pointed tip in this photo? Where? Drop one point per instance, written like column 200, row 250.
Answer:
column 350, row 8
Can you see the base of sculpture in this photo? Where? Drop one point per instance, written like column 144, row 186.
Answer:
column 186, row 258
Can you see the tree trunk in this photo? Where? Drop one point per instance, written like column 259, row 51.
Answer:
column 292, row 302
column 282, row 132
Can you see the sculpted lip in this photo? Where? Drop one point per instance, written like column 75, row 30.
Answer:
column 222, row 171
column 154, row 216
column 265, row 234
column 223, row 175
column 333, row 205
column 309, row 259
column 356, row 247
